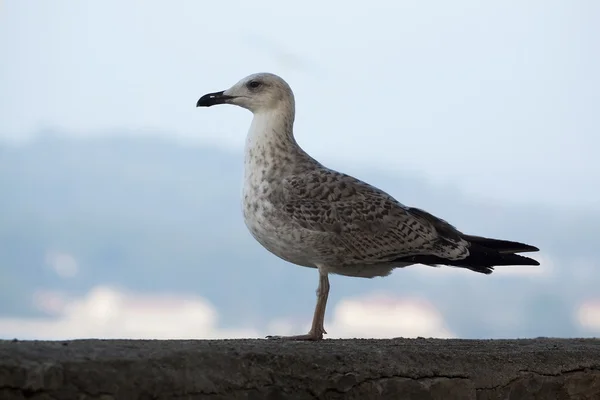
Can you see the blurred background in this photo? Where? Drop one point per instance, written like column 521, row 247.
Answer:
column 120, row 210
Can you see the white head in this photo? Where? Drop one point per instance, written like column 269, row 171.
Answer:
column 259, row 93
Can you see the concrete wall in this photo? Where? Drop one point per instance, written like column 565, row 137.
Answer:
column 333, row 369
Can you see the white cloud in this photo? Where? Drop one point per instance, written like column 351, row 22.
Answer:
column 110, row 313
column 107, row 312
column 376, row 315
column 588, row 315
column 382, row 316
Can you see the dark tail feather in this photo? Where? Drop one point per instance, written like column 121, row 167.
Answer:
column 501, row 246
column 480, row 259
column 484, row 260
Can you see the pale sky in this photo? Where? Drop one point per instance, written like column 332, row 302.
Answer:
column 500, row 99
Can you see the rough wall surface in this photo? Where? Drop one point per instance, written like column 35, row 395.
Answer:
column 403, row 369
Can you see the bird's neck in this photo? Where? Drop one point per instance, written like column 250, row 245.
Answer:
column 270, row 144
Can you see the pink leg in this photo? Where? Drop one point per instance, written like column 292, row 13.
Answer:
column 317, row 330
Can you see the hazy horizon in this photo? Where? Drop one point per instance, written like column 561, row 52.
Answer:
column 101, row 231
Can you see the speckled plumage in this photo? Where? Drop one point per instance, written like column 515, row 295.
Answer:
column 313, row 216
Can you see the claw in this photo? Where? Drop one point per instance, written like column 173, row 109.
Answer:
column 307, row 337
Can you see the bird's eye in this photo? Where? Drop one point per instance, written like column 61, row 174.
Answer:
column 253, row 84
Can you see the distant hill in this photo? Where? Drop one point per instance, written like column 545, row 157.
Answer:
column 146, row 213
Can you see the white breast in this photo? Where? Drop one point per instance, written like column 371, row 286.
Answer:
column 257, row 170
column 264, row 222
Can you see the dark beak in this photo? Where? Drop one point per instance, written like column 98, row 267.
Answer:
column 212, row 99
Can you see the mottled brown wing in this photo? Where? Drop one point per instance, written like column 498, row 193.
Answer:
column 370, row 224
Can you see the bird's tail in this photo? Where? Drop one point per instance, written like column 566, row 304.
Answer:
column 484, row 259
column 481, row 259
column 501, row 246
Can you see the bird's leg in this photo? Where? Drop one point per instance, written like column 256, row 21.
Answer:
column 318, row 327
column 317, row 330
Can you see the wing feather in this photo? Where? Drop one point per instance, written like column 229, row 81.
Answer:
column 367, row 223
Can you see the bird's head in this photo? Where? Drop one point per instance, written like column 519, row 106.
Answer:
column 262, row 92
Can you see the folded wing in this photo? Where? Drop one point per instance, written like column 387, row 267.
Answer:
column 370, row 227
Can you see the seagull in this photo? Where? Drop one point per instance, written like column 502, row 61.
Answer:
column 313, row 216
